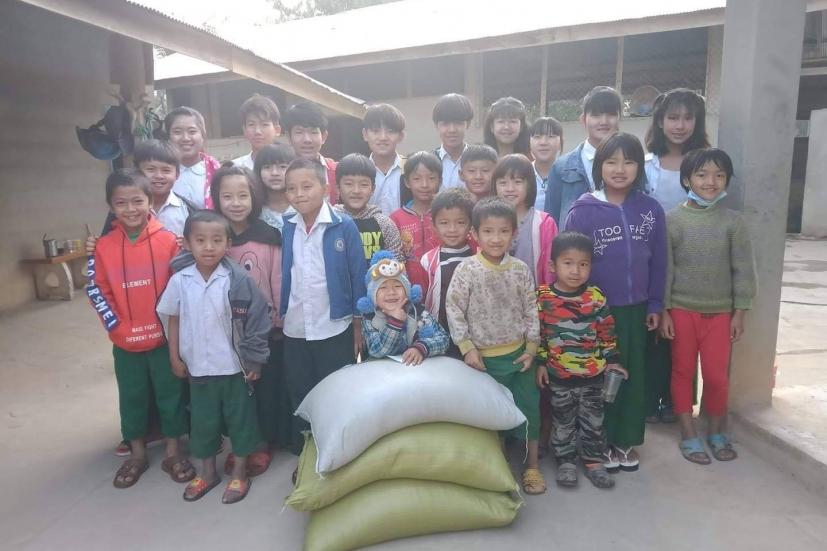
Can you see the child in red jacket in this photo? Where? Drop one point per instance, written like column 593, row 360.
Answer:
column 129, row 272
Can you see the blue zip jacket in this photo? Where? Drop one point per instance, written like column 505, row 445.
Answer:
column 344, row 264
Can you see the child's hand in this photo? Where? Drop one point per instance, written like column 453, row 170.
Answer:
column 474, row 359
column 358, row 342
column 91, row 240
column 180, row 241
column 252, row 376
column 412, row 356
column 179, row 368
column 736, row 326
column 652, row 321
column 542, row 376
column 667, row 327
column 527, row 360
column 619, row 368
column 397, row 314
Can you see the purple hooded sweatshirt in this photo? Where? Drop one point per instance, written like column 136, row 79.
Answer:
column 629, row 262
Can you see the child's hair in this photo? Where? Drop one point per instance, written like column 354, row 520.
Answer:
column 314, row 165
column 205, row 216
column 516, row 165
column 184, row 111
column 261, row 107
column 227, row 170
column 453, row 108
column 571, row 240
column 602, row 99
column 356, row 164
column 508, row 107
column 632, row 151
column 273, row 154
column 453, row 198
column 478, row 152
column 126, row 177
column 306, row 114
column 547, row 126
column 696, row 106
column 155, row 150
column 426, row 158
column 383, row 115
column 492, row 207
column 697, row 158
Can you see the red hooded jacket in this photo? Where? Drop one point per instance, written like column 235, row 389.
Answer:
column 125, row 281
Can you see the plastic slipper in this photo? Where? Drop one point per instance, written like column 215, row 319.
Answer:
column 566, row 475
column 533, row 482
column 693, row 451
column 599, row 476
column 722, row 449
column 257, row 463
column 236, row 490
column 199, row 487
column 129, row 473
column 178, row 468
column 628, row 459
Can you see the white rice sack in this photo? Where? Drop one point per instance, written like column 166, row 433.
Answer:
column 357, row 405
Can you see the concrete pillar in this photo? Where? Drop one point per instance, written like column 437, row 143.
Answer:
column 714, row 53
column 474, row 86
column 813, row 221
column 759, row 93
column 213, row 121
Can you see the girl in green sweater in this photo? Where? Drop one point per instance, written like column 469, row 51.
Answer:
column 710, row 284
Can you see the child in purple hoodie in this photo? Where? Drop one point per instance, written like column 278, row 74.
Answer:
column 629, row 232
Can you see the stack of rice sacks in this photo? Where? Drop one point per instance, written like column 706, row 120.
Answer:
column 399, row 451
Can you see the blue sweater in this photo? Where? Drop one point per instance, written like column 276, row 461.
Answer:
column 344, row 265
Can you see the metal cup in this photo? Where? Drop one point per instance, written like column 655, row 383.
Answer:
column 611, row 385
column 50, row 248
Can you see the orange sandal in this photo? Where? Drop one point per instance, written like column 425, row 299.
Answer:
column 198, row 488
column 236, row 490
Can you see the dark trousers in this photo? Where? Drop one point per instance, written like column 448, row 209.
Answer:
column 306, row 363
column 275, row 416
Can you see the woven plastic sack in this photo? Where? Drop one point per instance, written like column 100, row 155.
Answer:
column 355, row 406
column 393, row 509
column 434, row 451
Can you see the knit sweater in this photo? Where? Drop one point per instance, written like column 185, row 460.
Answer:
column 710, row 263
column 493, row 307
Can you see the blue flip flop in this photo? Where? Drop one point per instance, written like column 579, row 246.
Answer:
column 693, row 451
column 721, row 445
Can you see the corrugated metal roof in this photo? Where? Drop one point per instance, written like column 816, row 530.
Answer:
column 416, row 23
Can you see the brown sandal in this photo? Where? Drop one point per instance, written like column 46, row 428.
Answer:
column 178, row 468
column 129, row 473
column 199, row 487
column 236, row 490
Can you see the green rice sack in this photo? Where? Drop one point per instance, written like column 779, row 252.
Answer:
column 444, row 452
column 392, row 509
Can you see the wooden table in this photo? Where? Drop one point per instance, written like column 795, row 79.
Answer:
column 56, row 278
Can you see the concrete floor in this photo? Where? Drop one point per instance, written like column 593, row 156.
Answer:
column 58, row 398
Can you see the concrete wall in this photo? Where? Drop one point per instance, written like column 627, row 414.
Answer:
column 55, row 76
column 813, row 221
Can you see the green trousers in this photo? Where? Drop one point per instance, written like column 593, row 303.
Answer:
column 522, row 386
column 222, row 404
column 141, row 375
column 625, row 418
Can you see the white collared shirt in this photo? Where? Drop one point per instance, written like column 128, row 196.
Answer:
column 173, row 214
column 587, row 156
column 450, row 168
column 386, row 193
column 205, row 333
column 308, row 310
column 245, row 161
column 542, row 185
column 191, row 183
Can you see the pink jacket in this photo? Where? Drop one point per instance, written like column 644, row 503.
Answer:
column 543, row 232
column 258, row 250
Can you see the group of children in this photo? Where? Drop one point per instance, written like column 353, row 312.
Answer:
column 230, row 291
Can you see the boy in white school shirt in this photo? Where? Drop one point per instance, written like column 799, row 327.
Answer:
column 260, row 119
column 383, row 128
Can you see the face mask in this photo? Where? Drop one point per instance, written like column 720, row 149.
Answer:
column 703, row 202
